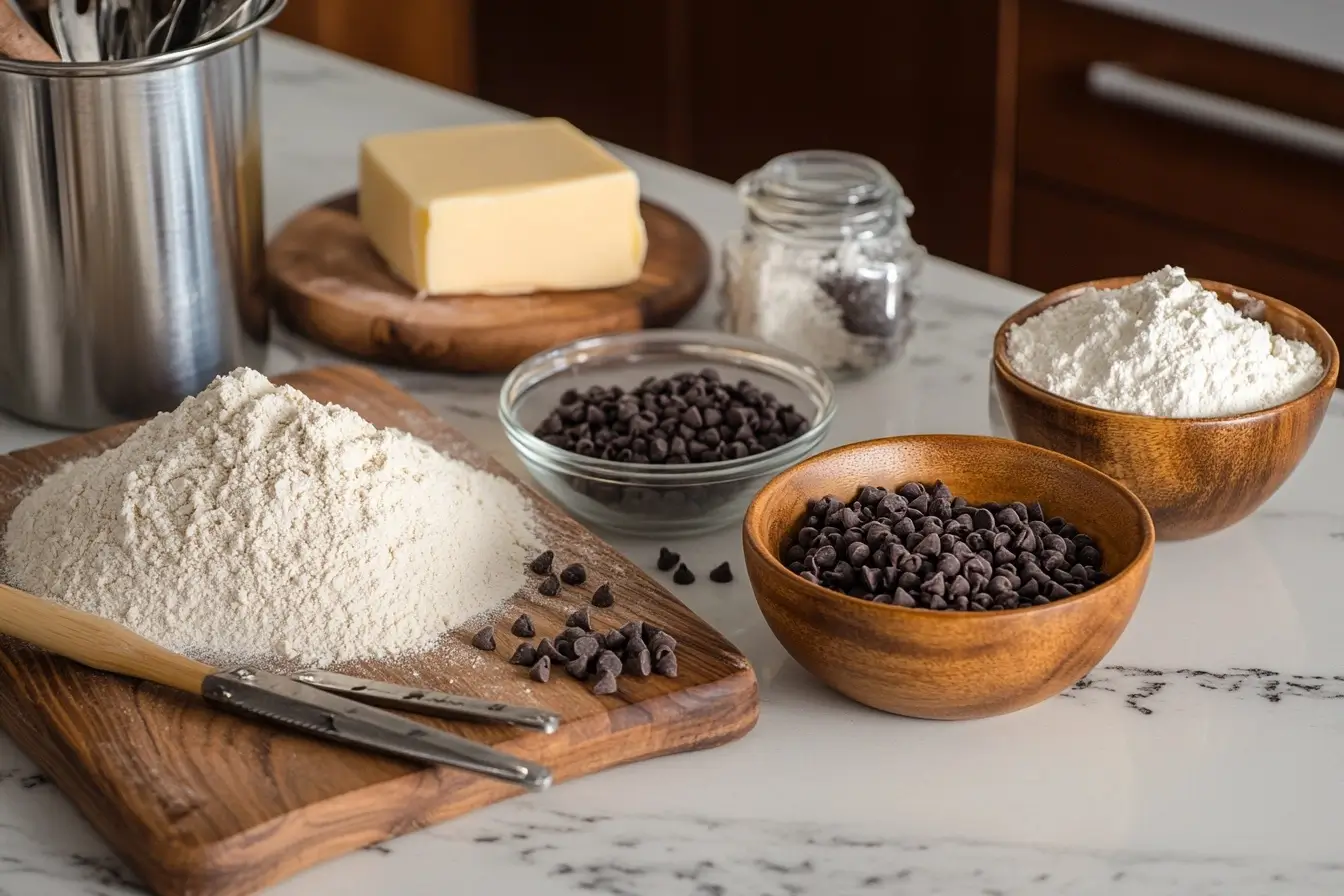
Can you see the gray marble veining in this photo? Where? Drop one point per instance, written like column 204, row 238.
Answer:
column 1200, row 758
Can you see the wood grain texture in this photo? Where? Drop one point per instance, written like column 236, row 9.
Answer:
column 1065, row 235
column 201, row 802
column 329, row 283
column 723, row 87
column 949, row 665
column 427, row 39
column 1201, row 177
column 1195, row 476
column 95, row 642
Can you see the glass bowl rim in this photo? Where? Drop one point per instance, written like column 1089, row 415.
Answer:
column 796, row 370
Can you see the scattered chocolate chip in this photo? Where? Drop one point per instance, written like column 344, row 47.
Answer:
column 522, row 626
column 683, row 575
column 541, row 670
column 661, row 639
column 639, row 664
column 550, row 587
column 614, row 640
column 524, row 655
column 632, row 630
column 577, row 668
column 602, row 597
column 579, row 619
column 608, row 661
column 546, row 648
column 635, row 645
column 605, row 684
column 667, row 665
column 574, row 574
column 721, row 573
column 542, row 564
column 668, row 559
column 485, row 638
column 586, row 646
column 571, row 634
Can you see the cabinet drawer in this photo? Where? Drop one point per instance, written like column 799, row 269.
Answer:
column 1062, row 237
column 1257, row 149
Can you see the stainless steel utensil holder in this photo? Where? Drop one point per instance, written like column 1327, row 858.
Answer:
column 131, row 230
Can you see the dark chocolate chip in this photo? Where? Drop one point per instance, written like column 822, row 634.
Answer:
column 667, row 665
column 542, row 564
column 605, row 684
column 639, row 664
column 485, row 638
column 522, row 626
column 574, row 574
column 586, row 646
column 541, row 670
column 662, row 639
column 550, row 586
column 524, row 655
column 603, row 597
column 721, row 573
column 684, row 576
column 579, row 619
column 668, row 559
column 608, row 661
column 546, row 648
column 577, row 668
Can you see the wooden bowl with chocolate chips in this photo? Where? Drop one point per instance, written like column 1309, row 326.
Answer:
column 947, row 577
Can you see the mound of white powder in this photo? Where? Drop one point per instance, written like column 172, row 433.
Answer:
column 1164, row 347
column 255, row 524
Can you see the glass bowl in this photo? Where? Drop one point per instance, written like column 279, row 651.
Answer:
column 649, row 499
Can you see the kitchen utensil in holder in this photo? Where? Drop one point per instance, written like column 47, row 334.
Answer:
column 131, row 229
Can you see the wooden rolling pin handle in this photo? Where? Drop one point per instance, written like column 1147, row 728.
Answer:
column 18, row 40
column 95, row 641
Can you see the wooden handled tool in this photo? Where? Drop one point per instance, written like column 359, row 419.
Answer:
column 95, row 641
column 19, row 41
column 102, row 644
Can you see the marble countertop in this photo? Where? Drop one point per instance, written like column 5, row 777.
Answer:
column 1310, row 31
column 1201, row 757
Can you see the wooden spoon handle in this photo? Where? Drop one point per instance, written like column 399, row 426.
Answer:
column 95, row 641
column 18, row 40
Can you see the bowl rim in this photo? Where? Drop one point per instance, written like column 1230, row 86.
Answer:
column 1128, row 572
column 798, row 371
column 1322, row 342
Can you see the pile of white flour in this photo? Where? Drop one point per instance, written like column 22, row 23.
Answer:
column 255, row 524
column 1164, row 347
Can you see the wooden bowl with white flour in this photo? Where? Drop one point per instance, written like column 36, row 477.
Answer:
column 1195, row 474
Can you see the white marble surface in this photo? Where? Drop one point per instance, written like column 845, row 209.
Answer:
column 1202, row 757
column 1309, row 31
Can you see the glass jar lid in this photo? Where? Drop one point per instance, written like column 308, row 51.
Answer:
column 820, row 194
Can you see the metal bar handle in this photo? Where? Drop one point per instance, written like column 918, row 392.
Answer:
column 1118, row 83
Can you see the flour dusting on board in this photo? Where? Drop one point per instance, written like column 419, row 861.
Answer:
column 255, row 524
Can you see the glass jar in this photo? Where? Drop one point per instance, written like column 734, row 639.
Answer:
column 824, row 262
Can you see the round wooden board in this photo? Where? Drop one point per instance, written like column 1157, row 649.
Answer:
column 329, row 284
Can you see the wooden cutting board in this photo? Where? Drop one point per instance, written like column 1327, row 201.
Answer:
column 200, row 802
column 328, row 282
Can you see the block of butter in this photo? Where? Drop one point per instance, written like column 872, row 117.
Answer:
column 501, row 209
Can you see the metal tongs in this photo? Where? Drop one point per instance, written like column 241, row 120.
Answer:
column 322, row 704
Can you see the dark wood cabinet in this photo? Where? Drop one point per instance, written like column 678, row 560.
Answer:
column 1001, row 118
column 723, row 87
column 1117, row 177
